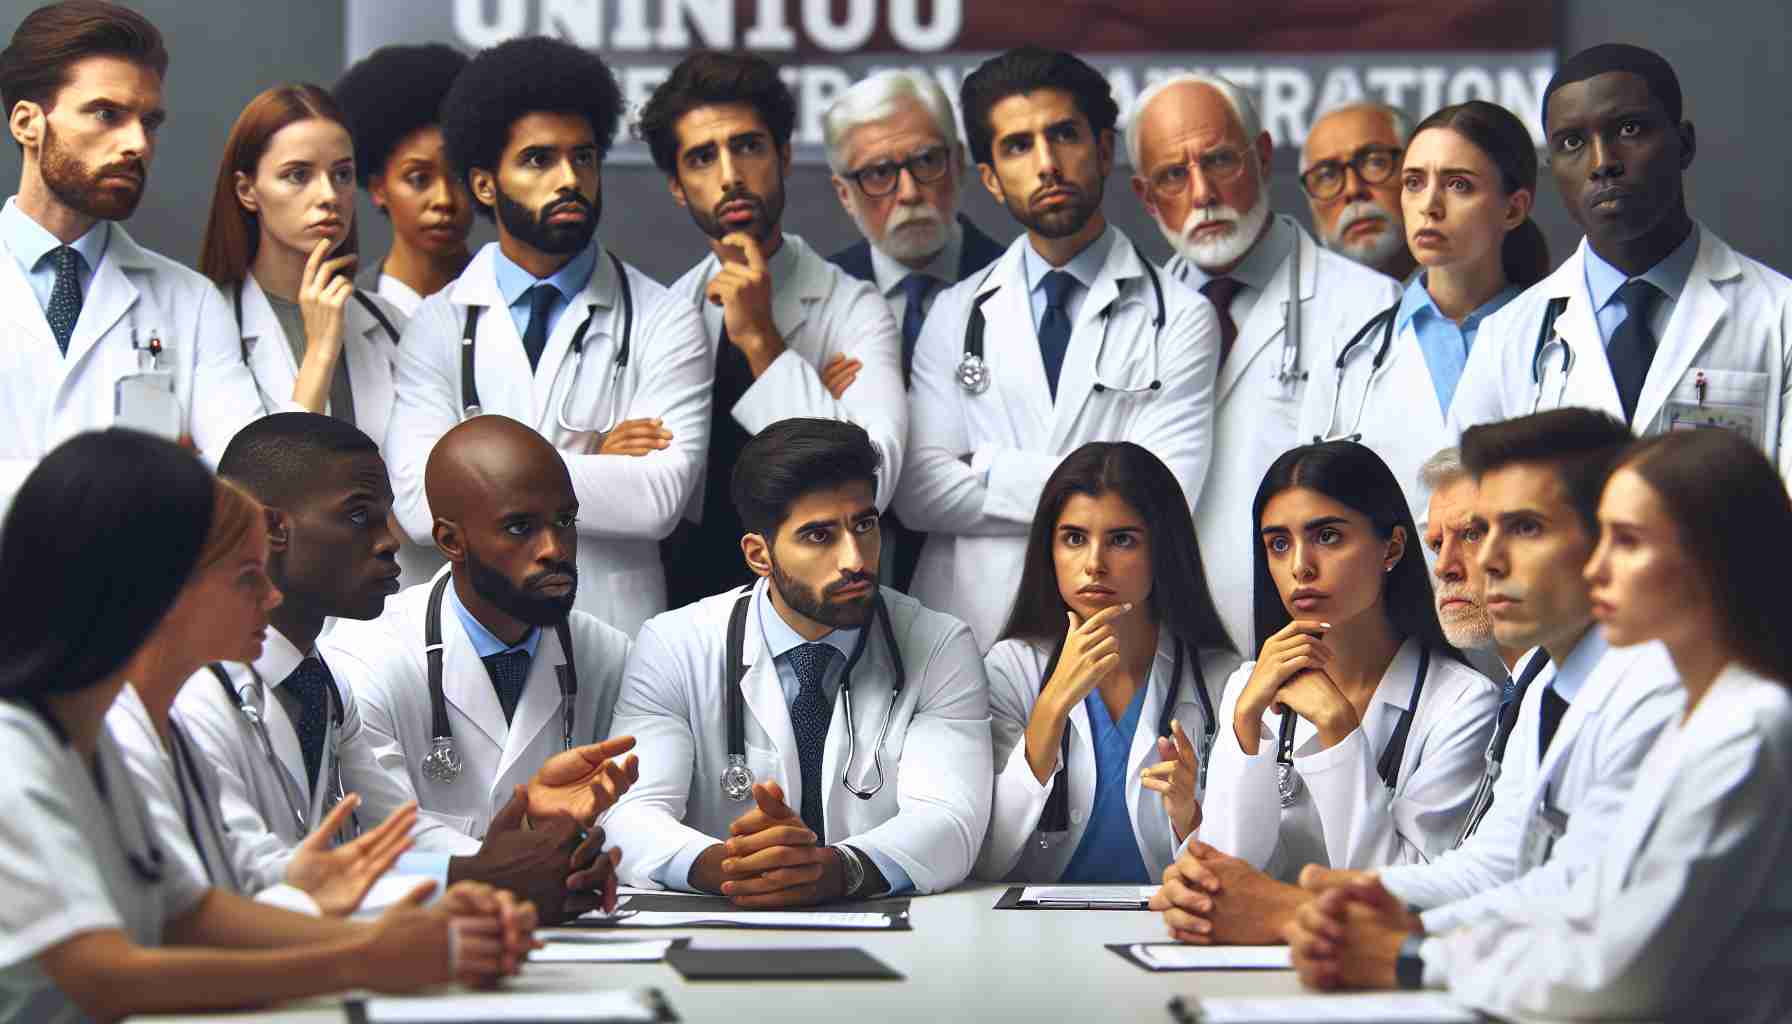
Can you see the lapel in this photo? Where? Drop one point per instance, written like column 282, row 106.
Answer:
column 792, row 299
column 1011, row 347
column 1076, row 377
column 1577, row 327
column 111, row 295
column 871, row 685
column 765, row 699
column 598, row 294
column 1696, row 315
column 284, row 736
column 270, row 354
column 1605, row 678
column 369, row 371
column 17, row 296
column 1143, row 752
column 327, row 770
column 466, row 684
column 506, row 384
column 539, row 706
column 1269, row 318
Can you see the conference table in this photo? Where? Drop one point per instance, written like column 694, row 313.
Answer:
column 961, row 961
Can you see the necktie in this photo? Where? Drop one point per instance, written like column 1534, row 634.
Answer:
column 535, row 338
column 65, row 297
column 308, row 689
column 810, row 715
column 1221, row 291
column 1549, row 719
column 1632, row 347
column 1054, row 326
column 914, row 289
column 509, row 671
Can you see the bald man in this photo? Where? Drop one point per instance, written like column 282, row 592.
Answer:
column 522, row 675
column 1350, row 170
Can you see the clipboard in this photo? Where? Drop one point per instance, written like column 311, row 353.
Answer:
column 1011, row 900
column 632, row 914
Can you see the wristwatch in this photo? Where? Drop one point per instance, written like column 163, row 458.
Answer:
column 854, row 870
column 1409, row 966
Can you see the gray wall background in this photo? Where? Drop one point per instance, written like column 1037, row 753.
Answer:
column 1729, row 54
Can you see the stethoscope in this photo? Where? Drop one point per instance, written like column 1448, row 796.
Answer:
column 1388, row 767
column 973, row 370
column 258, row 724
column 469, row 388
column 443, row 762
column 1496, row 746
column 368, row 304
column 150, row 866
column 1546, row 340
column 191, row 785
column 1055, row 817
column 737, row 778
column 1385, row 321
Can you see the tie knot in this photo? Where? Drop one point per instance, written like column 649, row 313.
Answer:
column 915, row 287
column 65, row 259
column 1057, row 288
column 308, row 678
column 541, row 298
column 810, row 662
column 1221, row 291
column 1637, row 294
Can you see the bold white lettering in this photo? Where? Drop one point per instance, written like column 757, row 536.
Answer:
column 714, row 20
column 1287, row 93
column 509, row 18
column 819, row 84
column 770, row 31
column 580, row 22
column 843, row 36
column 1341, row 86
column 910, row 34
column 1431, row 88
column 1392, row 83
column 1244, row 78
column 1525, row 98
column 631, row 32
column 1471, row 84
column 638, row 83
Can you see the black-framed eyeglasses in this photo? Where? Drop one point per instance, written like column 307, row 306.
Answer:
column 880, row 179
column 1373, row 164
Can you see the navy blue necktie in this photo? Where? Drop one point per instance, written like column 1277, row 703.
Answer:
column 509, row 672
column 810, row 715
column 308, row 689
column 1549, row 719
column 914, row 289
column 1632, row 347
column 535, row 338
column 1054, row 326
column 65, row 297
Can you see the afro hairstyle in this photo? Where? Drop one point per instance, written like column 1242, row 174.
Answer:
column 710, row 78
column 523, row 76
column 391, row 93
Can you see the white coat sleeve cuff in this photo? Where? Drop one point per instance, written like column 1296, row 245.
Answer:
column 676, row 874
column 768, row 399
column 980, row 463
column 1347, row 752
column 1436, row 954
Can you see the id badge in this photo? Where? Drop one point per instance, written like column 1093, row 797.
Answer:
column 1546, row 826
column 145, row 401
column 1732, row 400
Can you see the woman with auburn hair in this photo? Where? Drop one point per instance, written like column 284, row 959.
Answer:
column 280, row 242
column 102, row 919
column 1103, row 685
column 1683, row 914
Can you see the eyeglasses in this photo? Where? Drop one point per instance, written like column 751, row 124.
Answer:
column 1373, row 164
column 880, row 179
column 1219, row 166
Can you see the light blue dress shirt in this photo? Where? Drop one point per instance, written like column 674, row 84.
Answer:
column 1108, row 851
column 1085, row 266
column 1670, row 275
column 1571, row 675
column 31, row 245
column 485, row 644
column 1256, row 271
column 514, row 283
column 1444, row 344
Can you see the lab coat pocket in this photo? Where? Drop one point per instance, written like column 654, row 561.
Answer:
column 764, row 763
column 1734, row 400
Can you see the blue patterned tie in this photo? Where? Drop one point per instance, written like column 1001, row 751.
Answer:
column 914, row 288
column 535, row 336
column 308, row 687
column 509, row 672
column 810, row 715
column 65, row 298
column 1054, row 326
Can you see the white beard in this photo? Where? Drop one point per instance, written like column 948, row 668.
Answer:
column 1227, row 249
column 912, row 234
column 1377, row 251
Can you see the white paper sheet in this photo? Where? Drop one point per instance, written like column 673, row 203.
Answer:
column 1350, row 1008
column 1174, row 956
column 580, row 951
column 623, row 1007
column 1122, row 895
column 761, row 919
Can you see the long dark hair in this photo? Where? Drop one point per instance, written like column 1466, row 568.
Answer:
column 96, row 548
column 1499, row 133
column 1180, row 600
column 1725, row 498
column 1355, row 476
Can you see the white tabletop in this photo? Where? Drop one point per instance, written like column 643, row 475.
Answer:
column 962, row 961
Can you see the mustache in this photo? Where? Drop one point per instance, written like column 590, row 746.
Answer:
column 845, row 581
column 1456, row 591
column 567, row 200
column 535, row 579
column 136, row 168
column 738, row 195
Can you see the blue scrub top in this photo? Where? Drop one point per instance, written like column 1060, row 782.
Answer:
column 1109, row 852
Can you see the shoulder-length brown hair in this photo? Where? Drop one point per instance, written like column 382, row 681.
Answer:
column 231, row 232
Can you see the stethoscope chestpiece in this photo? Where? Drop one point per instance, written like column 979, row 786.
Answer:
column 737, row 779
column 973, row 374
column 442, row 763
column 1287, row 784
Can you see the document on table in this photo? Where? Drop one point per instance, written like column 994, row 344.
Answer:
column 1174, row 956
column 1087, row 895
column 1348, row 1008
column 742, row 919
column 579, row 950
column 613, row 1007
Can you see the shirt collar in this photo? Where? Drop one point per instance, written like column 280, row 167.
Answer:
column 1669, row 275
column 484, row 643
column 1571, row 675
column 278, row 658
column 1416, row 301
column 30, row 243
column 570, row 280
column 1085, row 266
column 889, row 272
column 780, row 638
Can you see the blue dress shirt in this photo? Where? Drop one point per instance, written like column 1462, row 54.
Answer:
column 1085, row 266
column 485, row 644
column 1670, row 275
column 1109, row 852
column 30, row 245
column 514, row 283
column 1444, row 344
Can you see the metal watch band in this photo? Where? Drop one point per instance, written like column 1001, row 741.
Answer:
column 854, row 870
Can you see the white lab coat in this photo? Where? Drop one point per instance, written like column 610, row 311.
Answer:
column 47, row 398
column 1015, row 849
column 628, row 503
column 1591, row 766
column 1256, row 418
column 1401, row 421
column 256, row 807
column 928, row 818
column 1732, row 323
column 383, row 663
column 822, row 312
column 1683, row 908
column 977, row 516
column 1344, row 815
